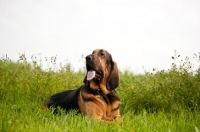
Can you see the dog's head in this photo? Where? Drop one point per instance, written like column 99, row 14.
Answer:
column 101, row 70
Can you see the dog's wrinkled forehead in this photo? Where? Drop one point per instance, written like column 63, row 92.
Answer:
column 99, row 51
column 103, row 54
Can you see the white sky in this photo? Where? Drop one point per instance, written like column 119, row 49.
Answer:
column 138, row 33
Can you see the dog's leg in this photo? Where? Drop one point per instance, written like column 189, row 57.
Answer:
column 93, row 111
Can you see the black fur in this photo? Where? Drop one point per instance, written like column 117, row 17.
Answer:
column 67, row 100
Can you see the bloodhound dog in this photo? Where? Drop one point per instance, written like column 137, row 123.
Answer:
column 97, row 98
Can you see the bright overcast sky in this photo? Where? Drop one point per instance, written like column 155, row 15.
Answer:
column 138, row 33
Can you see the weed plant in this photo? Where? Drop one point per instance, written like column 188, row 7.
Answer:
column 161, row 100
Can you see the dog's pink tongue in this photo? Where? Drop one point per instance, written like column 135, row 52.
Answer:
column 90, row 75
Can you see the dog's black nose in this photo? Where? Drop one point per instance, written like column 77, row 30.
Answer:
column 89, row 57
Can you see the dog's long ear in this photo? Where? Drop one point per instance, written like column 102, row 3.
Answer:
column 113, row 80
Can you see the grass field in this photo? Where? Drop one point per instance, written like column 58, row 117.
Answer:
column 166, row 101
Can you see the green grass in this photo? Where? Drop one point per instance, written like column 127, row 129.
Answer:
column 158, row 101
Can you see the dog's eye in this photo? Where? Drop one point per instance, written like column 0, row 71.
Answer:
column 102, row 54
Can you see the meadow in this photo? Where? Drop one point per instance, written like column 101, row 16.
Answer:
column 161, row 100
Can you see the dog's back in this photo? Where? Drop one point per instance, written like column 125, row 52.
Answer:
column 66, row 100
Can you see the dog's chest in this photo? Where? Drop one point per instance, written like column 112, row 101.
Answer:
column 110, row 103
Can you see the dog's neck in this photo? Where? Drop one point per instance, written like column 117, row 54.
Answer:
column 97, row 91
column 93, row 85
column 94, row 88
